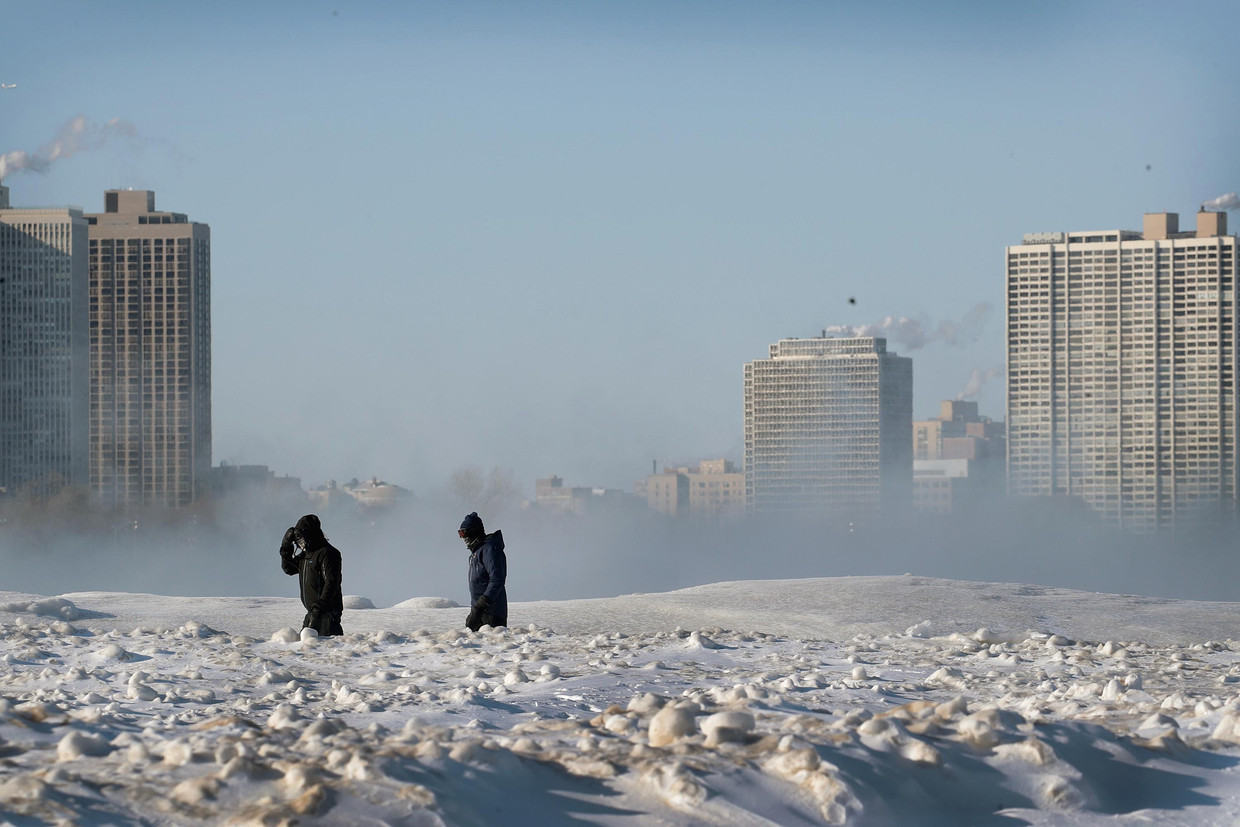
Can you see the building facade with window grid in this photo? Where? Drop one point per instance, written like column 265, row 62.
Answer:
column 827, row 429
column 150, row 363
column 43, row 348
column 1121, row 370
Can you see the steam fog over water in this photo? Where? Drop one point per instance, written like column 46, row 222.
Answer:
column 413, row 551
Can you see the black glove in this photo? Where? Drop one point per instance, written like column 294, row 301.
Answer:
column 474, row 620
column 286, row 545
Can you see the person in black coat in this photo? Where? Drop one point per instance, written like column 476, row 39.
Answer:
column 306, row 552
column 488, row 572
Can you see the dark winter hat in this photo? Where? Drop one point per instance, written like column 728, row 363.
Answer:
column 308, row 526
column 471, row 526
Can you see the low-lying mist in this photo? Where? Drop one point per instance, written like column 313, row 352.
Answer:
column 411, row 550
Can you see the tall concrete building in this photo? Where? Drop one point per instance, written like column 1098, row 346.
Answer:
column 150, row 353
column 1121, row 353
column 827, row 425
column 43, row 348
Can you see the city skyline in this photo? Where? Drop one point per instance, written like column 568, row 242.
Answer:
column 546, row 240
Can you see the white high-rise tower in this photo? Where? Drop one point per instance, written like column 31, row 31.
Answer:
column 828, row 429
column 1121, row 356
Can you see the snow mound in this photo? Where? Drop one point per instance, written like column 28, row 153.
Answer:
column 56, row 607
column 353, row 601
column 147, row 715
column 427, row 603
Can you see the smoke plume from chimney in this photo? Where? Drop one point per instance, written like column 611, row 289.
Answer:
column 977, row 381
column 912, row 334
column 1230, row 201
column 73, row 137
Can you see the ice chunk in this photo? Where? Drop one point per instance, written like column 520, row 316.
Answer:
column 353, row 601
column 985, row 635
column 697, row 640
column 195, row 790
column 285, row 715
column 195, row 629
column 947, row 676
column 731, row 726
column 920, row 752
column 670, row 723
column 618, row 724
column 80, row 745
column 178, row 753
column 286, row 635
column 674, row 783
column 142, row 692
column 112, row 652
column 921, row 630
column 645, row 704
column 978, row 730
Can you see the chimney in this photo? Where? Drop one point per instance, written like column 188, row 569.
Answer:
column 4, row 197
column 1211, row 224
column 1160, row 225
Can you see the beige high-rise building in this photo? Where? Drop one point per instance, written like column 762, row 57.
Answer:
column 1121, row 352
column 958, row 460
column 150, row 361
column 827, row 424
column 43, row 348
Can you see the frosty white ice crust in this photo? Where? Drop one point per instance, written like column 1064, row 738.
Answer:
column 108, row 716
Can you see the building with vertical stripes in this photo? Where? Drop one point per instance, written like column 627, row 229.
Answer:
column 43, row 348
column 150, row 353
column 1121, row 359
column 828, row 424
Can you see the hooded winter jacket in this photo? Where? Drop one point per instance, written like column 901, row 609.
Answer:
column 488, row 572
column 320, row 585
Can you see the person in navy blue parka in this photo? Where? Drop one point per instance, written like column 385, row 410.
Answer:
column 488, row 572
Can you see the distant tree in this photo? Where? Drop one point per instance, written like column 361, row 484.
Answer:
column 485, row 493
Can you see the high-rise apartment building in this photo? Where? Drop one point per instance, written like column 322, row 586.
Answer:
column 827, row 425
column 1121, row 353
column 43, row 347
column 150, row 353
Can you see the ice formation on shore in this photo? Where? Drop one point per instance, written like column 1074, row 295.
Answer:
column 436, row 725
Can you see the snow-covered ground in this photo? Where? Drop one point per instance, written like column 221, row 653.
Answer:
column 867, row 700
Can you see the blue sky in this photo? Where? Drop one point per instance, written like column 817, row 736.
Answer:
column 547, row 236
